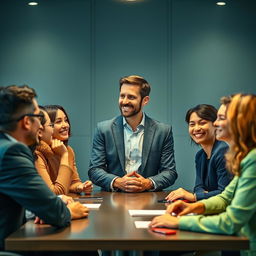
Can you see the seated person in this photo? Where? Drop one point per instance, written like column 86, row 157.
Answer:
column 211, row 174
column 132, row 152
column 222, row 133
column 55, row 160
column 233, row 212
column 20, row 185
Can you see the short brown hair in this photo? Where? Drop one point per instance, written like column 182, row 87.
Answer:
column 15, row 101
column 136, row 80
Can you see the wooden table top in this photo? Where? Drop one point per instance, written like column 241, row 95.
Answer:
column 111, row 227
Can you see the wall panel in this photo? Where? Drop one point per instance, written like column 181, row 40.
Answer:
column 74, row 52
column 130, row 38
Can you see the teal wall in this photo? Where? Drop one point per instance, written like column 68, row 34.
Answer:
column 74, row 52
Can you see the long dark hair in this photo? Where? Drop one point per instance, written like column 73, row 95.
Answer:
column 52, row 112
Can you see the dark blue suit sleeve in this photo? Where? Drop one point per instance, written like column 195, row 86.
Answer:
column 167, row 168
column 20, row 182
column 98, row 173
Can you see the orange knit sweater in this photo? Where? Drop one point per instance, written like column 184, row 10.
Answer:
column 61, row 179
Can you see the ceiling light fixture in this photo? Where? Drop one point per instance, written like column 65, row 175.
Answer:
column 131, row 1
column 32, row 3
column 221, row 3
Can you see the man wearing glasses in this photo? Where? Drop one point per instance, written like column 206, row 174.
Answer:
column 20, row 185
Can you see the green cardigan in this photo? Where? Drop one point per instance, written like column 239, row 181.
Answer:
column 235, row 208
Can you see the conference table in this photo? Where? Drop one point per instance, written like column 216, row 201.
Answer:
column 111, row 227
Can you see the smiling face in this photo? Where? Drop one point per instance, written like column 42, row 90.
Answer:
column 61, row 126
column 200, row 130
column 130, row 101
column 221, row 124
column 46, row 132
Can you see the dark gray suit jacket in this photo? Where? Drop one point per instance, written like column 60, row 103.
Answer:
column 21, row 187
column 108, row 153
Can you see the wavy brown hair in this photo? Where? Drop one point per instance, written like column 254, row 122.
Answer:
column 241, row 117
column 136, row 80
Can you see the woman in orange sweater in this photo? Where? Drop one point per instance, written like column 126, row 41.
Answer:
column 55, row 160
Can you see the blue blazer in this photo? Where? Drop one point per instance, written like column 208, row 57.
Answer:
column 211, row 174
column 108, row 154
column 22, row 188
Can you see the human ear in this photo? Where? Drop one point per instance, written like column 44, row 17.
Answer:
column 26, row 123
column 40, row 133
column 145, row 100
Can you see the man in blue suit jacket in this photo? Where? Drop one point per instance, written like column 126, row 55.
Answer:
column 132, row 152
column 20, row 185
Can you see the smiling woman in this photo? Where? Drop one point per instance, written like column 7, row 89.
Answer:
column 55, row 159
column 221, row 123
column 233, row 211
column 211, row 174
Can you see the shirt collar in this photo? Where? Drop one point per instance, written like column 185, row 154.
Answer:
column 141, row 124
column 10, row 137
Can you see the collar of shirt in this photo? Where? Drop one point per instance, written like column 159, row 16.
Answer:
column 10, row 137
column 139, row 127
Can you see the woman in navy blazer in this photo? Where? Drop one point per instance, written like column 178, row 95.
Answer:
column 211, row 174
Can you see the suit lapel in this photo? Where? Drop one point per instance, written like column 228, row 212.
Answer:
column 118, row 134
column 147, row 141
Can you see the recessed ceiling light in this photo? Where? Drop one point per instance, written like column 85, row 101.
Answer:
column 221, row 3
column 135, row 1
column 32, row 3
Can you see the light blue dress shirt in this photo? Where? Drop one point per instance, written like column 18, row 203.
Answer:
column 133, row 142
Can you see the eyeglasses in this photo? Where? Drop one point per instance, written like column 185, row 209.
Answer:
column 50, row 125
column 40, row 116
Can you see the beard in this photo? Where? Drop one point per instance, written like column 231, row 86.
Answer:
column 33, row 147
column 134, row 112
column 33, row 139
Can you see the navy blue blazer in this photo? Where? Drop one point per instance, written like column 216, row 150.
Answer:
column 108, row 154
column 211, row 174
column 22, row 188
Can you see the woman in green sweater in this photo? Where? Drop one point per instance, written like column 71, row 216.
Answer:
column 234, row 210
